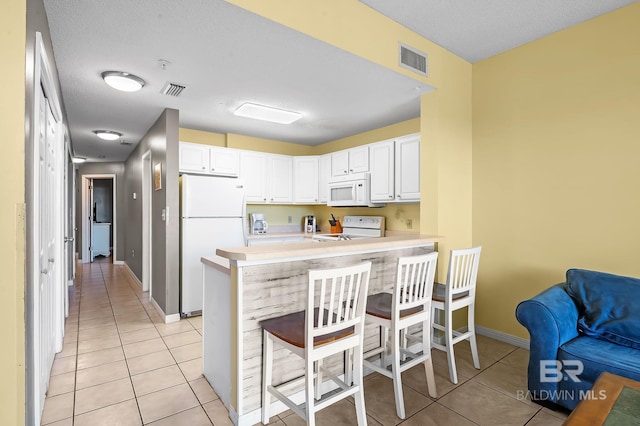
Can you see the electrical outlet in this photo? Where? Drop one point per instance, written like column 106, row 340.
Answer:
column 409, row 223
column 289, row 219
column 133, row 253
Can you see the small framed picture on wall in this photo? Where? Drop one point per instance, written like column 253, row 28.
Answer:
column 157, row 176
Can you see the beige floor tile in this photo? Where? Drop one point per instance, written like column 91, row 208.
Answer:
column 181, row 339
column 518, row 358
column 63, row 365
column 97, row 322
column 218, row 414
column 127, row 327
column 65, row 422
column 61, row 383
column 167, row 402
column 543, row 418
column 483, row 405
column 196, row 322
column 203, row 390
column 92, row 345
column 96, row 313
column 101, row 374
column 132, row 316
column 150, row 361
column 174, row 327
column 192, row 369
column 380, row 400
column 121, row 414
column 57, row 408
column 416, row 379
column 133, row 350
column 103, row 356
column 560, row 413
column 464, row 362
column 512, row 381
column 192, row 417
column 156, row 380
column 103, row 395
column 341, row 413
column 436, row 415
column 139, row 335
column 69, row 349
column 187, row 352
column 70, row 338
column 93, row 333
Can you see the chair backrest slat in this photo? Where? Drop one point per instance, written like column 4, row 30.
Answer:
column 414, row 282
column 463, row 270
column 339, row 297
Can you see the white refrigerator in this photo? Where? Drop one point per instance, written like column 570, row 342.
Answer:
column 212, row 216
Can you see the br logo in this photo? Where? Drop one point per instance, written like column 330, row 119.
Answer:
column 552, row 370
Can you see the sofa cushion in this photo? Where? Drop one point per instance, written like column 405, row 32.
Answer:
column 599, row 355
column 608, row 305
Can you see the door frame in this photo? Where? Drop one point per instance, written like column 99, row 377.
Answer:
column 85, row 223
column 147, row 201
column 44, row 81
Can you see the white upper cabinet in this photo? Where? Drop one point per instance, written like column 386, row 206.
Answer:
column 353, row 160
column 224, row 161
column 305, row 179
column 407, row 173
column 382, row 165
column 210, row 160
column 193, row 158
column 253, row 170
column 324, row 173
column 280, row 178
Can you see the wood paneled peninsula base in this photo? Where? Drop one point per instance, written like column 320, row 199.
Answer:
column 246, row 285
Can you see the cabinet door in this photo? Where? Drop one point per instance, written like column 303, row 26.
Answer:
column 408, row 168
column 280, row 178
column 224, row 161
column 340, row 163
column 324, row 173
column 381, row 161
column 193, row 158
column 359, row 159
column 253, row 170
column 305, row 179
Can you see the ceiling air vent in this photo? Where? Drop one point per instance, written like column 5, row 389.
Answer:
column 413, row 59
column 126, row 143
column 173, row 89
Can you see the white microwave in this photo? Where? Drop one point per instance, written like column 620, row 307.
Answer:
column 352, row 190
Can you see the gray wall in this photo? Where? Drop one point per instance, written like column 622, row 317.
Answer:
column 121, row 202
column 162, row 140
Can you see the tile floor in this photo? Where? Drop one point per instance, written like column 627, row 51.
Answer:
column 121, row 365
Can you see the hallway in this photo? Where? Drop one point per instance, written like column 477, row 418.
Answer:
column 120, row 364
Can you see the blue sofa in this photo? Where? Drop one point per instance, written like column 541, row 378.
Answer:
column 579, row 329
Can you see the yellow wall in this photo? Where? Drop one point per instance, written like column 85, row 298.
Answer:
column 12, row 214
column 204, row 138
column 267, row 145
column 556, row 179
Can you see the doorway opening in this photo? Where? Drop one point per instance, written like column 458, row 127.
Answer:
column 99, row 229
column 146, row 222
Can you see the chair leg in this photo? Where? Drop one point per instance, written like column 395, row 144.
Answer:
column 448, row 335
column 358, row 374
column 472, row 340
column 267, row 365
column 309, row 393
column 428, row 364
column 318, row 366
column 385, row 346
column 348, row 367
column 397, row 374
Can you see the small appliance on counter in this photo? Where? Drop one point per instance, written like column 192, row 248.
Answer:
column 258, row 224
column 310, row 224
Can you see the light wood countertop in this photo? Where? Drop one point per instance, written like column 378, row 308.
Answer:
column 314, row 249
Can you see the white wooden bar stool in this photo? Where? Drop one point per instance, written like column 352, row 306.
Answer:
column 332, row 323
column 458, row 292
column 410, row 304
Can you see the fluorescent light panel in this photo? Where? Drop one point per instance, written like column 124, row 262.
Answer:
column 266, row 113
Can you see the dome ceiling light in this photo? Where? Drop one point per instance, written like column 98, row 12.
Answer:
column 108, row 135
column 123, row 81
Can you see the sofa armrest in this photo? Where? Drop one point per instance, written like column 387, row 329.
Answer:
column 551, row 318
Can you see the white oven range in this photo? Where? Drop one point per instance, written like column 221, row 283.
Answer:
column 355, row 227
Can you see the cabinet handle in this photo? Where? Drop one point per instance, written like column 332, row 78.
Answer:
column 345, row 172
column 264, row 199
column 351, row 170
column 203, row 168
column 390, row 196
column 213, row 169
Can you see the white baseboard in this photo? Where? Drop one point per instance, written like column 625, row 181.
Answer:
column 133, row 276
column 167, row 318
column 118, row 262
column 503, row 337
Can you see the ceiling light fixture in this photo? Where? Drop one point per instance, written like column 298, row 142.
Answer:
column 108, row 135
column 78, row 160
column 123, row 81
column 266, row 113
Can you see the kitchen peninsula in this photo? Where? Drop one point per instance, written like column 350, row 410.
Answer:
column 263, row 282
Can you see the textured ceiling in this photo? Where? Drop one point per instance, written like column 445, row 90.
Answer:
column 226, row 56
